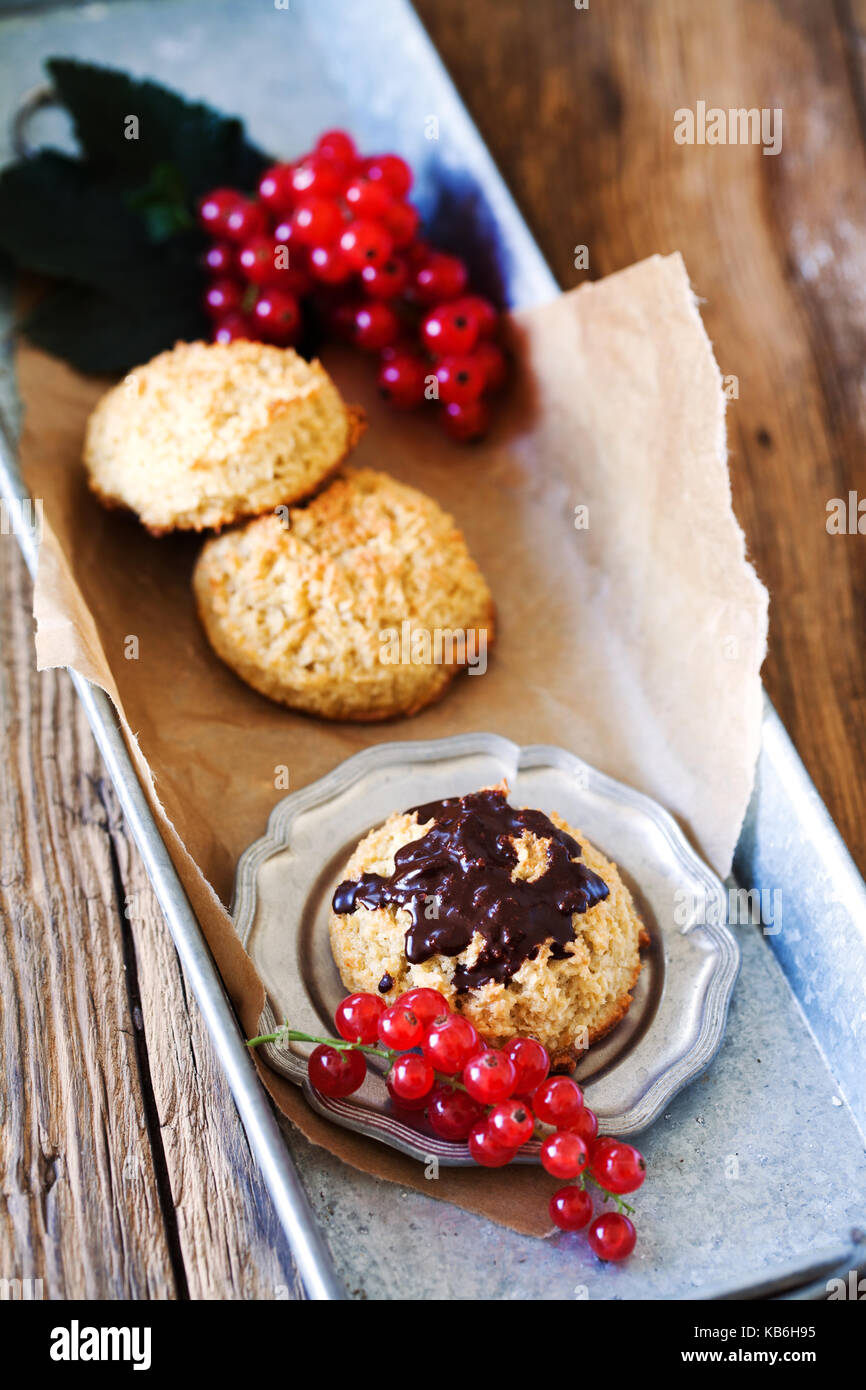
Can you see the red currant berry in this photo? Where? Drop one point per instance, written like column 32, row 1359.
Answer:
column 375, row 326
column 482, row 311
column 367, row 199
column 275, row 189
column 402, row 382
column 403, row 344
column 411, row 1077
column 617, row 1167
column 277, row 315
column 219, row 258
column 338, row 145
column 419, row 1104
column 385, row 279
column 315, row 177
column 296, row 282
column 449, row 1043
column 439, row 278
column 399, row 1028
column 564, row 1154
column 214, row 209
column 489, row 1077
column 223, row 297
column 231, row 328
column 357, row 1017
column 558, row 1101
column 317, row 221
column 466, row 423
column 426, row 1004
column 570, row 1208
column 447, row 330
column 452, row 1113
column 611, row 1236
column 256, row 260
column 491, row 360
column 335, row 1071
column 512, row 1122
column 586, row 1125
column 461, row 380
column 402, row 221
column 284, row 234
column 531, row 1062
column 418, row 253
column 391, row 170
column 366, row 243
column 485, row 1147
column 339, row 316
column 290, row 261
column 245, row 220
column 328, row 264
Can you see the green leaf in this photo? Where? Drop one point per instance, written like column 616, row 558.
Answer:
column 95, row 334
column 125, row 127
column 56, row 218
column 163, row 203
column 115, row 227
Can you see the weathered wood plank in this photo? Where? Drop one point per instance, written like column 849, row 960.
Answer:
column 81, row 1205
column 231, row 1242
column 578, row 108
column 126, row 1172
column 124, row 1169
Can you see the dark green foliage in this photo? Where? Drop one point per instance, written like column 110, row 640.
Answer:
column 116, row 225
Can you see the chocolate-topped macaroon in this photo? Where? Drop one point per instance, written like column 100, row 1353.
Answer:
column 513, row 915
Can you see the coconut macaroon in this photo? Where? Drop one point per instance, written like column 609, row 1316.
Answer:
column 567, row 989
column 211, row 432
column 361, row 605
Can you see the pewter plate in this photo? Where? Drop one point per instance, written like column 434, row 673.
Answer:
column 796, row 1038
column 285, row 882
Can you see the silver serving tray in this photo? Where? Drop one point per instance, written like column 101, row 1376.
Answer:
column 789, row 1077
column 285, row 882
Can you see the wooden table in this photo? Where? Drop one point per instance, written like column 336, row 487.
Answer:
column 126, row 1172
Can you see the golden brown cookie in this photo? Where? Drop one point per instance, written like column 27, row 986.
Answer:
column 361, row 605
column 209, row 432
column 566, row 1003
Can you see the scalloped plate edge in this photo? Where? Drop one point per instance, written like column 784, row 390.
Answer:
column 391, row 1131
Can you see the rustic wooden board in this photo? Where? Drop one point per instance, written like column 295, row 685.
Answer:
column 578, row 107
column 126, row 1170
column 126, row 1173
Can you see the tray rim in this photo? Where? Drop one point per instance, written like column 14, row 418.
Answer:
column 381, row 757
column 777, row 751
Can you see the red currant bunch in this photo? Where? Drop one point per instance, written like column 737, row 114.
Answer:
column 331, row 238
column 492, row 1099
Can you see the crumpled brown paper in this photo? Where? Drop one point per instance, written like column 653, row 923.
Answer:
column 631, row 626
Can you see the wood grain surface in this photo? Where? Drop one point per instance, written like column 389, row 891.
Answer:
column 126, row 1171
column 577, row 107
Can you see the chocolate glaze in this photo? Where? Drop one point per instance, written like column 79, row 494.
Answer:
column 456, row 881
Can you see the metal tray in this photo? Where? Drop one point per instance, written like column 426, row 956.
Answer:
column 789, row 1077
column 677, row 1020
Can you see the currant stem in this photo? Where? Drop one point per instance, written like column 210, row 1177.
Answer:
column 621, row 1206
column 286, row 1034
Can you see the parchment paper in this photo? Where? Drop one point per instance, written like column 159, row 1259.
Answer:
column 635, row 641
